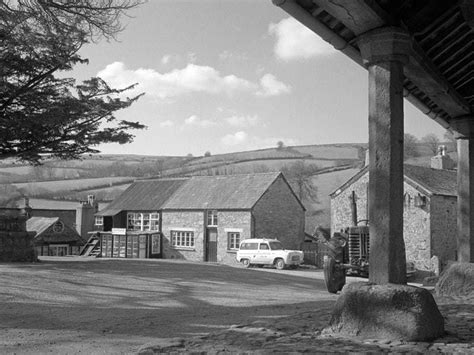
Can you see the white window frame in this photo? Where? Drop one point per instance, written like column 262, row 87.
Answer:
column 182, row 239
column 143, row 221
column 99, row 220
column 212, row 218
column 231, row 235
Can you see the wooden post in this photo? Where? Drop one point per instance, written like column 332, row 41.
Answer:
column 384, row 53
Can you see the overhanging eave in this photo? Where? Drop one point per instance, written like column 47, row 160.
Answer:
column 434, row 96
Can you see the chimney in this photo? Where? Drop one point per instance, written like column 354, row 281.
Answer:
column 442, row 161
column 85, row 215
column 26, row 209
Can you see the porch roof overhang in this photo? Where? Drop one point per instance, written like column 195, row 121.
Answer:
column 439, row 77
column 108, row 212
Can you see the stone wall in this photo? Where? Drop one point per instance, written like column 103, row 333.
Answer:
column 428, row 230
column 16, row 244
column 183, row 221
column 231, row 221
column 444, row 228
column 341, row 213
column 228, row 221
column 279, row 215
column 417, row 229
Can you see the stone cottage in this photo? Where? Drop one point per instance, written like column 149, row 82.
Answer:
column 429, row 215
column 204, row 218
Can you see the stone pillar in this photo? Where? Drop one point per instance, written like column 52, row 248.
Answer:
column 384, row 52
column 463, row 128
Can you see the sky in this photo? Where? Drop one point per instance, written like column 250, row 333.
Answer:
column 223, row 76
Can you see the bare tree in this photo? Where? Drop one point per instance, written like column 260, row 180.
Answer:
column 410, row 146
column 432, row 141
column 300, row 175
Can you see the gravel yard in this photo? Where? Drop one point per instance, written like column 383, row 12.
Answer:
column 83, row 305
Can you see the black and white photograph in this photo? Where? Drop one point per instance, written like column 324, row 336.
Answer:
column 236, row 177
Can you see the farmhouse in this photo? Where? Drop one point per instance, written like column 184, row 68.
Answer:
column 53, row 237
column 429, row 214
column 203, row 218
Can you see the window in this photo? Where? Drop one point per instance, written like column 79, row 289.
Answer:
column 249, row 246
column 212, row 218
column 264, row 246
column 58, row 227
column 99, row 221
column 141, row 221
column 182, row 239
column 233, row 240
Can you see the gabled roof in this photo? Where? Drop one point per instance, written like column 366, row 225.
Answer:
column 436, row 181
column 145, row 195
column 433, row 181
column 221, row 192
column 40, row 224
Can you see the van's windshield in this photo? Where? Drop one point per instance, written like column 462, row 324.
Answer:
column 276, row 246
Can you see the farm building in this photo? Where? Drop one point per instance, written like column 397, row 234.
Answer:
column 203, row 218
column 78, row 215
column 53, row 237
column 429, row 214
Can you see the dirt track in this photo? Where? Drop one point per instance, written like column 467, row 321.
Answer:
column 74, row 305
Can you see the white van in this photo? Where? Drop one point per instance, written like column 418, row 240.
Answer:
column 267, row 252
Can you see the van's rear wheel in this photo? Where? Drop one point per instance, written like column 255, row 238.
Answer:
column 245, row 262
column 280, row 264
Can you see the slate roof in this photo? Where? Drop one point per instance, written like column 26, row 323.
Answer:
column 144, row 195
column 221, row 192
column 41, row 224
column 434, row 181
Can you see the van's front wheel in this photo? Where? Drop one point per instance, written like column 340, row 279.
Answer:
column 245, row 262
column 280, row 264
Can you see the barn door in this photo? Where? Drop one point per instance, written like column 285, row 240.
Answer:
column 211, row 245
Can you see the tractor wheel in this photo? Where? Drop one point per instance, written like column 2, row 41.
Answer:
column 334, row 277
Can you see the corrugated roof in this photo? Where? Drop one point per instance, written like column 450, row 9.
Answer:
column 221, row 192
column 435, row 181
column 145, row 195
column 40, row 224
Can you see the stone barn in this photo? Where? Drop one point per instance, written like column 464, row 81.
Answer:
column 203, row 218
column 429, row 213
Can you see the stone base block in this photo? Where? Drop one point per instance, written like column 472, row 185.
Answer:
column 456, row 280
column 393, row 312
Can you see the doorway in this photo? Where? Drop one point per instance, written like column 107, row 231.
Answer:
column 211, row 245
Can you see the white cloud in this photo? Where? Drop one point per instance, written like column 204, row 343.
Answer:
column 270, row 86
column 191, row 79
column 197, row 121
column 242, row 121
column 167, row 123
column 235, row 139
column 295, row 41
